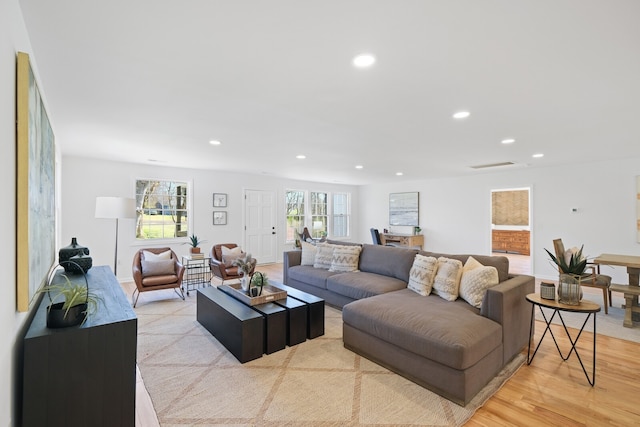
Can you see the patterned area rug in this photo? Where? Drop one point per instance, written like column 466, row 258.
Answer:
column 193, row 379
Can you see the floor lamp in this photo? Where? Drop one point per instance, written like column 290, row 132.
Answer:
column 115, row 208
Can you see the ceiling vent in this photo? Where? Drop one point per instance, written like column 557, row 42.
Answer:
column 492, row 165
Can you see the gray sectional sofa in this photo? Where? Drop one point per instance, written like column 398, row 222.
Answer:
column 449, row 347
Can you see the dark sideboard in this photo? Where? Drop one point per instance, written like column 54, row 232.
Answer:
column 83, row 375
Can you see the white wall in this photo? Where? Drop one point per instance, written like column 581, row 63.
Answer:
column 13, row 38
column 84, row 179
column 455, row 213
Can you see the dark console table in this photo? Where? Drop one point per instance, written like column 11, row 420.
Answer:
column 83, row 375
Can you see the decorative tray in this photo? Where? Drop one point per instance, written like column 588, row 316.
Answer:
column 269, row 294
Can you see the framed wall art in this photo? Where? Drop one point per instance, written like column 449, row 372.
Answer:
column 35, row 152
column 404, row 209
column 219, row 218
column 219, row 200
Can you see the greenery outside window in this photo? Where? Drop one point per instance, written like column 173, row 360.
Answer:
column 318, row 215
column 328, row 214
column 295, row 213
column 161, row 209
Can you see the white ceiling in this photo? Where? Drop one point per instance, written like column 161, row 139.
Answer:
column 133, row 80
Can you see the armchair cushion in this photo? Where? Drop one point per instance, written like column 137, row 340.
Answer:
column 158, row 268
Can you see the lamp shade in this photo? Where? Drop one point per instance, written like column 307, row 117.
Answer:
column 115, row 207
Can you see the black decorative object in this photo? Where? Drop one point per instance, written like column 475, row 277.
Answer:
column 81, row 261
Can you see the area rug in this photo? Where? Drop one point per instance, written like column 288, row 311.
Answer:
column 193, row 380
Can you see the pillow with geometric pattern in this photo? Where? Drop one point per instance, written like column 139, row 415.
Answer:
column 324, row 255
column 422, row 274
column 447, row 282
column 476, row 279
column 345, row 258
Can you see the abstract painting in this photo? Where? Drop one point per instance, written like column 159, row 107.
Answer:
column 35, row 150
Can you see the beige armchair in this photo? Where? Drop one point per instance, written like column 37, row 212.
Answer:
column 164, row 271
column 222, row 271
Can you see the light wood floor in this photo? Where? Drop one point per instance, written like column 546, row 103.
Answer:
column 550, row 391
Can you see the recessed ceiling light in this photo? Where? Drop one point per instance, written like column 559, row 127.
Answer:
column 461, row 115
column 364, row 60
column 538, row 155
column 508, row 141
column 301, row 156
column 399, row 173
column 359, row 166
column 215, row 142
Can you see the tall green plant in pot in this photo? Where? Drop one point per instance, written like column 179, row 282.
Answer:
column 570, row 273
column 194, row 241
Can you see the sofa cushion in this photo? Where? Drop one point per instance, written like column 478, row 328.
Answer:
column 476, row 279
column 501, row 263
column 422, row 274
column 324, row 255
column 150, row 256
column 158, row 268
column 359, row 284
column 447, row 281
column 308, row 256
column 345, row 258
column 387, row 260
column 451, row 333
column 230, row 255
column 312, row 276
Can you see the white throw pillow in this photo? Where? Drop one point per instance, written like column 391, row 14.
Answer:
column 308, row 254
column 324, row 255
column 422, row 274
column 476, row 279
column 230, row 255
column 150, row 256
column 345, row 258
column 447, row 281
column 158, row 268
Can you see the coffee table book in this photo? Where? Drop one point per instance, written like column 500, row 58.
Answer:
column 269, row 294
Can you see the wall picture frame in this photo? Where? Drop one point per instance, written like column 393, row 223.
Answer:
column 404, row 208
column 35, row 204
column 219, row 218
column 219, row 200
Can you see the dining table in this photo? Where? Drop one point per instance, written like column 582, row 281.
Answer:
column 630, row 291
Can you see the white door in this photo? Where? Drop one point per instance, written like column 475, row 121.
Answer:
column 260, row 225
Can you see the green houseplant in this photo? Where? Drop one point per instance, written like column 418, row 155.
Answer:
column 569, row 291
column 77, row 303
column 194, row 242
column 576, row 265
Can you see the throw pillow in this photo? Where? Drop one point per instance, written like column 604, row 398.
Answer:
column 230, row 255
column 158, row 268
column 474, row 284
column 150, row 256
column 345, row 258
column 324, row 255
column 308, row 253
column 422, row 274
column 447, row 281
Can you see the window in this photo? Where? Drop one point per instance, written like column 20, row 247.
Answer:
column 341, row 214
column 295, row 213
column 318, row 215
column 327, row 215
column 162, row 211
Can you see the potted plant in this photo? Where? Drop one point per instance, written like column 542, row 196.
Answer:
column 569, row 291
column 195, row 242
column 258, row 280
column 77, row 302
column 245, row 266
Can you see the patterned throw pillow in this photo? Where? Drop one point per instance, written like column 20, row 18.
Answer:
column 345, row 258
column 324, row 255
column 308, row 256
column 447, row 282
column 422, row 274
column 476, row 279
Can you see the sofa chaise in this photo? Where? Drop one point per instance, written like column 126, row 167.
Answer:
column 450, row 347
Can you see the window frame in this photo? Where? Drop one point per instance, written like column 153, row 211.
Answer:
column 188, row 212
column 309, row 213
